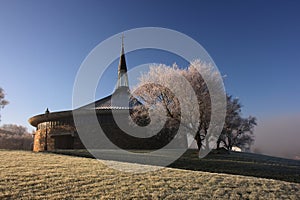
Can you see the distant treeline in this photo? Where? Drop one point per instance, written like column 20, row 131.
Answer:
column 13, row 139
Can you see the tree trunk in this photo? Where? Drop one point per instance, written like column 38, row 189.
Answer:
column 218, row 143
column 198, row 140
column 229, row 143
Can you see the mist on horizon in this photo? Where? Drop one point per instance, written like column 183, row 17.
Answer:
column 278, row 136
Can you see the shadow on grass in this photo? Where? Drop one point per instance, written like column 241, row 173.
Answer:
column 238, row 163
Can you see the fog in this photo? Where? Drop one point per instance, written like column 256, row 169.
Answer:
column 278, row 136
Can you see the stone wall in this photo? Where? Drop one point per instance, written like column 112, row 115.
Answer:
column 40, row 140
column 55, row 135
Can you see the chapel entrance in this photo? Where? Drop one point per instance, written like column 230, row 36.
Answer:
column 63, row 142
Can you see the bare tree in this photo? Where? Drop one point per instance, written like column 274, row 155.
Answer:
column 15, row 129
column 14, row 136
column 237, row 131
column 3, row 101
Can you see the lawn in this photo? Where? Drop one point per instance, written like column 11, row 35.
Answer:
column 247, row 164
column 28, row 175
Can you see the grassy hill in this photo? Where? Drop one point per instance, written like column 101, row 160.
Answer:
column 239, row 163
column 28, row 175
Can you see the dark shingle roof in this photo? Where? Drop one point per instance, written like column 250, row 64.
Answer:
column 120, row 99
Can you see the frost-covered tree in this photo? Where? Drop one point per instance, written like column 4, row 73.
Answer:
column 166, row 91
column 3, row 102
column 156, row 91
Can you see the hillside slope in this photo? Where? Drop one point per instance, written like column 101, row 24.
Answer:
column 30, row 175
column 238, row 163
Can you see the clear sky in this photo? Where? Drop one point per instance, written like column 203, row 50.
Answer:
column 42, row 44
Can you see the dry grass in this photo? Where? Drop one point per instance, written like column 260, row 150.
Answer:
column 27, row 175
column 238, row 163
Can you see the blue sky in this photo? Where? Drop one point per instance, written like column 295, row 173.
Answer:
column 43, row 43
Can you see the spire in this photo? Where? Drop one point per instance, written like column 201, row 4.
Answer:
column 122, row 69
column 122, row 52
